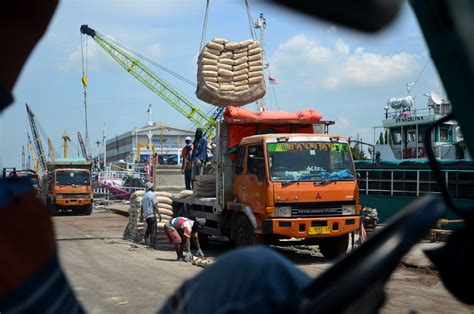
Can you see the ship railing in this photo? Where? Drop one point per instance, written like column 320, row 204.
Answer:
column 119, row 175
column 401, row 113
column 415, row 182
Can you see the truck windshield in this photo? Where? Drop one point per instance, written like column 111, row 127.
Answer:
column 310, row 161
column 72, row 178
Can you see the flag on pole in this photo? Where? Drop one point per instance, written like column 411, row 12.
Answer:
column 272, row 80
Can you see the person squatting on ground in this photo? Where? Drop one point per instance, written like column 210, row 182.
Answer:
column 149, row 210
column 186, row 154
column 179, row 230
column 199, row 156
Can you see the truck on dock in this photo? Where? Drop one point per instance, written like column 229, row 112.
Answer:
column 280, row 188
column 67, row 186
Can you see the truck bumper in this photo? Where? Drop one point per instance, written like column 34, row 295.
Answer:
column 67, row 202
column 311, row 227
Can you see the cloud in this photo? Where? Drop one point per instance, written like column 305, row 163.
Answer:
column 332, row 29
column 342, row 123
column 342, row 47
column 154, row 51
column 97, row 59
column 335, row 67
column 367, row 68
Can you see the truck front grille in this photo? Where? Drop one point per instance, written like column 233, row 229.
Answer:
column 68, row 195
column 315, row 209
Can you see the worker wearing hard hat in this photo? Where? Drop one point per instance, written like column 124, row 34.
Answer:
column 186, row 154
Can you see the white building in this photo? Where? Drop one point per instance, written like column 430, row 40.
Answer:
column 133, row 145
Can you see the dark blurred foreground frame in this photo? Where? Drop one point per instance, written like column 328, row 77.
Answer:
column 448, row 28
column 22, row 24
column 364, row 15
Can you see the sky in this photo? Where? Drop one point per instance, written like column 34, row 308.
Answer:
column 346, row 75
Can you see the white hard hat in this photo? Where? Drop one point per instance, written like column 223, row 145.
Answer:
column 188, row 138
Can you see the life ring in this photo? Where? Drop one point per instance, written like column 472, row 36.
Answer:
column 421, row 152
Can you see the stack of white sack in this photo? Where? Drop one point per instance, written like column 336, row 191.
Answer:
column 230, row 73
column 135, row 229
column 204, row 186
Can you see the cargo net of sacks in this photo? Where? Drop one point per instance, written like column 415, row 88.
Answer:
column 230, row 73
column 135, row 229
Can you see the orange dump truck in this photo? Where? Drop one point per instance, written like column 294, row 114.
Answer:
column 298, row 187
column 67, row 186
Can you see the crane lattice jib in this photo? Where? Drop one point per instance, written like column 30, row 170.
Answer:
column 36, row 139
column 83, row 146
column 154, row 83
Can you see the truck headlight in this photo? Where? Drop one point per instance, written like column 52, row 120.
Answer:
column 59, row 196
column 283, row 211
column 348, row 209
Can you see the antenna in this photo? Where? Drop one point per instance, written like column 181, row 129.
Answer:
column 436, row 98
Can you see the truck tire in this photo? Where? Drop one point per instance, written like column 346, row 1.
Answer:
column 203, row 240
column 51, row 207
column 87, row 210
column 244, row 234
column 332, row 248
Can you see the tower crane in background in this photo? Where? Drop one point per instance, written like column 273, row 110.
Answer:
column 83, row 146
column 131, row 63
column 36, row 139
column 51, row 154
column 32, row 153
column 23, row 157
column 66, row 139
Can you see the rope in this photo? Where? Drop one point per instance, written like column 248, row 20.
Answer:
column 184, row 79
column 82, row 55
column 418, row 77
column 249, row 16
column 204, row 26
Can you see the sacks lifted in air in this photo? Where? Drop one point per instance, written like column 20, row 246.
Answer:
column 238, row 67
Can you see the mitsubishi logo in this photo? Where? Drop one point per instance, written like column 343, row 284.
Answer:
column 318, row 195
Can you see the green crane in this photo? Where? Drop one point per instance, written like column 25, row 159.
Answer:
column 156, row 84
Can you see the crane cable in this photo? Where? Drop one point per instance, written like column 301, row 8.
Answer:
column 137, row 54
column 249, row 16
column 85, row 80
column 204, row 25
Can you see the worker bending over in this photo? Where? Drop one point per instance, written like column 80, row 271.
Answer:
column 179, row 230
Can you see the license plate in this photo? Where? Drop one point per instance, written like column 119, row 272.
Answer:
column 319, row 230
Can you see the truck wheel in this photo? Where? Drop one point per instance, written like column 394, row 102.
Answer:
column 87, row 210
column 332, row 248
column 203, row 240
column 244, row 234
column 51, row 207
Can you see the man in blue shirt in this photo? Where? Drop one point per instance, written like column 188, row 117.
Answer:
column 149, row 209
column 199, row 158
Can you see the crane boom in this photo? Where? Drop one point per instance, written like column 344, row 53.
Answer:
column 36, row 139
column 83, row 146
column 156, row 84
column 32, row 152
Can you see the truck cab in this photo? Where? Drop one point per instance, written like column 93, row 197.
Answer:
column 69, row 187
column 298, row 186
